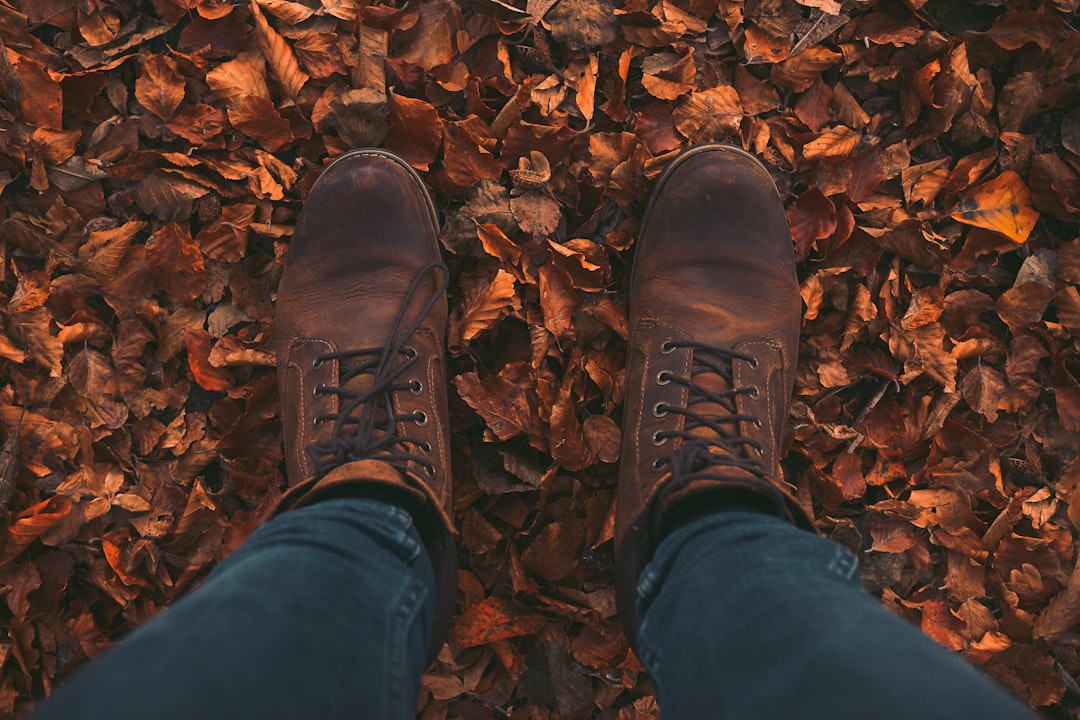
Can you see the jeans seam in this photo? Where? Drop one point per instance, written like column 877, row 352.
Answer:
column 397, row 528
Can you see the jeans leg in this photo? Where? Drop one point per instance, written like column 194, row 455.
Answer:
column 745, row 616
column 325, row 612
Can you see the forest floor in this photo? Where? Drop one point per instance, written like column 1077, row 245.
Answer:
column 154, row 155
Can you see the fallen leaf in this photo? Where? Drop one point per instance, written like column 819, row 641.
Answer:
column 179, row 262
column 501, row 403
column 415, row 130
column 159, row 88
column 536, row 213
column 812, row 217
column 497, row 300
column 198, row 343
column 279, row 54
column 709, row 115
column 493, row 619
column 1002, row 205
column 558, row 299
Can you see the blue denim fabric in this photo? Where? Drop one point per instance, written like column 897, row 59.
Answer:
column 745, row 616
column 325, row 612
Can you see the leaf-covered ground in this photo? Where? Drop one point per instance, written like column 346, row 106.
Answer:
column 154, row 155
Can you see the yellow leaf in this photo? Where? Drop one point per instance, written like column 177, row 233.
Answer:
column 1002, row 205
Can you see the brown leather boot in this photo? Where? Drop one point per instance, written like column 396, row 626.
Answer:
column 714, row 317
column 361, row 327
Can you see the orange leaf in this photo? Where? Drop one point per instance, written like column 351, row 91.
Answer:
column 497, row 245
column 709, row 115
column 279, row 54
column 761, row 47
column 835, row 143
column 799, row 73
column 493, row 619
column 813, row 106
column 290, row 12
column 160, row 88
column 569, row 446
column 1002, row 205
column 491, row 305
column 34, row 522
column 198, row 123
column 256, row 116
column 586, row 90
column 206, row 375
column 40, row 99
column 558, row 299
column 536, row 213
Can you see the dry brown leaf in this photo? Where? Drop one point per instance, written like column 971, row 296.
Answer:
column 500, row 402
column 760, row 46
column 415, row 130
column 558, row 299
column 583, row 24
column 159, row 88
column 709, row 115
column 493, row 619
column 496, row 301
column 812, row 217
column 279, row 55
column 431, row 41
column 536, row 213
column 291, row 12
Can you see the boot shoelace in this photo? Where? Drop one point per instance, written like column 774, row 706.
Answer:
column 365, row 424
column 702, row 458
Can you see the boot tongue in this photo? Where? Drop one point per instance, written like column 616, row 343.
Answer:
column 699, row 455
column 711, row 381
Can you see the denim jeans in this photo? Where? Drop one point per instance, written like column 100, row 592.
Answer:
column 326, row 612
column 743, row 615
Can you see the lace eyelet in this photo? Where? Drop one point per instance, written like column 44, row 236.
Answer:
column 664, row 377
column 659, row 463
column 318, row 390
column 753, row 363
column 416, row 387
column 757, row 423
column 430, row 470
column 667, row 347
column 314, row 422
column 659, row 410
column 754, row 391
column 423, row 419
column 410, row 352
column 316, row 362
column 657, row 440
column 426, row 448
